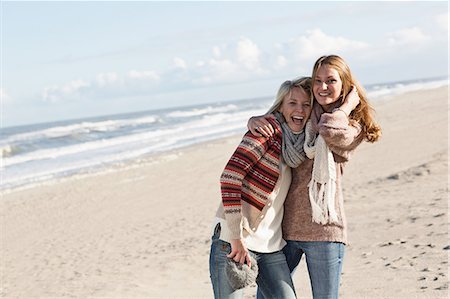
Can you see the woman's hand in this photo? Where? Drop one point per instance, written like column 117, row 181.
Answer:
column 239, row 252
column 260, row 126
column 351, row 101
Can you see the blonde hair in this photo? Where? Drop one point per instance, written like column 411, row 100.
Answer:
column 363, row 113
column 286, row 88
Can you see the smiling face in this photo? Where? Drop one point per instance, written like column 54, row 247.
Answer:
column 296, row 108
column 327, row 86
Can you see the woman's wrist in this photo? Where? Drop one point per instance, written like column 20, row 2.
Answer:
column 344, row 108
column 340, row 110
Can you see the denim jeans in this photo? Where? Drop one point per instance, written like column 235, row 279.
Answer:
column 274, row 279
column 324, row 262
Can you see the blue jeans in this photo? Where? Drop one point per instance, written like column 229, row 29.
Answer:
column 274, row 279
column 324, row 262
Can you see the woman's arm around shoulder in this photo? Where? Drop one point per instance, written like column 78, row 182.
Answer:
column 339, row 132
column 261, row 125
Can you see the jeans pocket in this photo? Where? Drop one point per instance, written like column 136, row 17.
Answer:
column 222, row 246
column 216, row 234
column 225, row 247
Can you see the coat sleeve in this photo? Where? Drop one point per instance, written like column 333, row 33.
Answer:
column 341, row 134
column 247, row 154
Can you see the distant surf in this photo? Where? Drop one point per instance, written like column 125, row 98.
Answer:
column 38, row 153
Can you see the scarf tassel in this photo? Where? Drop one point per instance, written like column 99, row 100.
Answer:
column 322, row 187
column 323, row 212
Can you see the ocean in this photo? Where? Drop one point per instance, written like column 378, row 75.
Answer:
column 42, row 153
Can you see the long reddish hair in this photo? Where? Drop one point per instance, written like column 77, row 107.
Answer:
column 363, row 113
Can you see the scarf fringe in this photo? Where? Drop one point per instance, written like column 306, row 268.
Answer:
column 321, row 197
column 322, row 187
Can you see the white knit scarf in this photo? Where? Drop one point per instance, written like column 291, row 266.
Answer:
column 322, row 187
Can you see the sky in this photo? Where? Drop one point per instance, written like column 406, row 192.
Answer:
column 68, row 60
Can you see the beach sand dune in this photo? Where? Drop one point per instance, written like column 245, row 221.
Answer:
column 143, row 232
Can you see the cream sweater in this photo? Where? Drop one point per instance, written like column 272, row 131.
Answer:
column 267, row 237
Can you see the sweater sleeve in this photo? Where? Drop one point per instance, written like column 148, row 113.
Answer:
column 247, row 154
column 341, row 134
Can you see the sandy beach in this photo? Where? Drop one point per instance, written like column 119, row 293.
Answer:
column 144, row 231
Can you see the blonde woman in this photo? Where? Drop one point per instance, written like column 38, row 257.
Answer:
column 314, row 222
column 254, row 186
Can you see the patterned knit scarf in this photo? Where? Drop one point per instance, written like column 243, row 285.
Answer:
column 292, row 145
column 322, row 187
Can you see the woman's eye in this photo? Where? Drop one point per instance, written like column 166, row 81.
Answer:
column 332, row 81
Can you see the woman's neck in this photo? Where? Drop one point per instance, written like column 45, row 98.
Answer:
column 328, row 108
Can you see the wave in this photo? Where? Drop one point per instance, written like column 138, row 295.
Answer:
column 46, row 153
column 9, row 151
column 79, row 128
column 54, row 153
column 38, row 172
column 153, row 140
column 391, row 89
column 198, row 112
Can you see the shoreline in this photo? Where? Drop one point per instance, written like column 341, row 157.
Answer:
column 143, row 161
column 151, row 158
column 144, row 231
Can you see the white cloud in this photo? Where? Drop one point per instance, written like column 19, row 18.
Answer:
column 280, row 62
column 442, row 21
column 229, row 63
column 216, row 71
column 216, row 51
column 146, row 75
column 248, row 54
column 278, row 46
column 407, row 36
column 224, row 65
column 107, row 78
column 72, row 89
column 316, row 43
column 179, row 63
column 74, row 86
column 237, row 62
column 105, row 85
